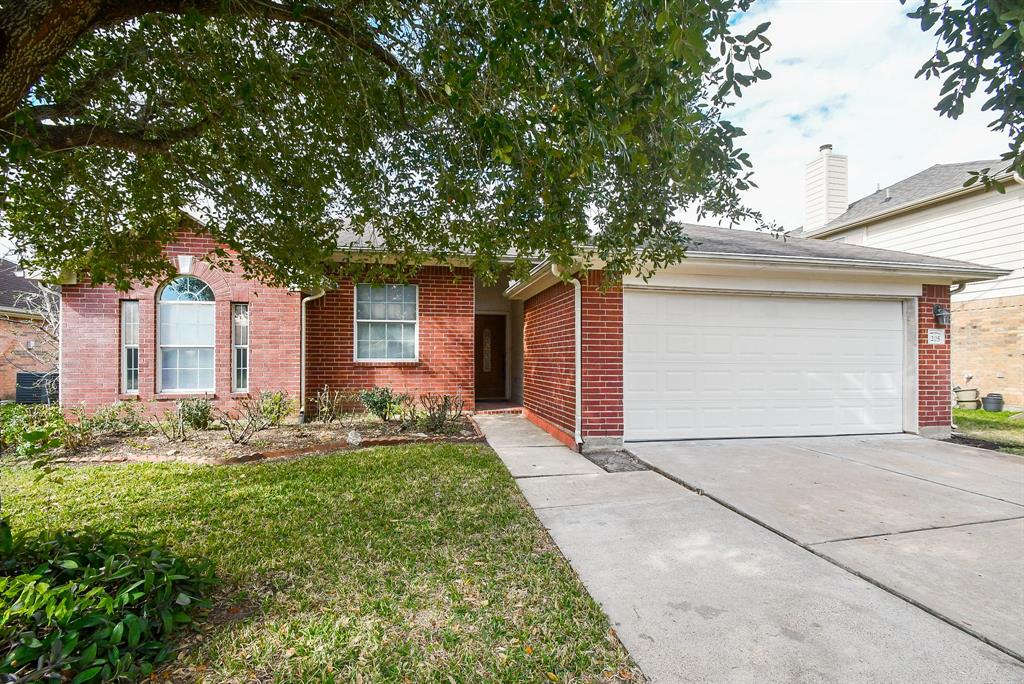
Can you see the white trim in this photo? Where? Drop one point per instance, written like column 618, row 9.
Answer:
column 577, row 287
column 302, row 351
column 235, row 347
column 160, row 346
column 356, row 321
column 911, row 406
column 123, row 382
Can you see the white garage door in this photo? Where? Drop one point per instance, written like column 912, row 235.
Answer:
column 707, row 366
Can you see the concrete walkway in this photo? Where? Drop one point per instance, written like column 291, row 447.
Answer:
column 699, row 593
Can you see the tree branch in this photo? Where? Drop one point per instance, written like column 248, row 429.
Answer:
column 58, row 138
column 323, row 18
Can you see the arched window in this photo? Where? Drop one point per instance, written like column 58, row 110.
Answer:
column 186, row 336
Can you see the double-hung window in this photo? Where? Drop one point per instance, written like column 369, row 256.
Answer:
column 186, row 336
column 129, row 347
column 240, row 347
column 386, row 322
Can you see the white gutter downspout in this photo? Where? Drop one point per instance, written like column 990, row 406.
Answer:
column 302, row 352
column 578, row 353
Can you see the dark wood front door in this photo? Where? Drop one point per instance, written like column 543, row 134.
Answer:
column 490, row 357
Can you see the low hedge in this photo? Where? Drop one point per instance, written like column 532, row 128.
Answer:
column 86, row 607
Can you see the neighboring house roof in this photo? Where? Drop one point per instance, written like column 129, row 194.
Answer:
column 12, row 284
column 929, row 185
column 726, row 244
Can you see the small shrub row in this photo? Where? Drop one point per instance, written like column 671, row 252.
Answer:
column 71, row 431
column 436, row 413
column 89, row 607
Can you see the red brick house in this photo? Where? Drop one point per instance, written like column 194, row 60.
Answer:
column 749, row 336
column 24, row 346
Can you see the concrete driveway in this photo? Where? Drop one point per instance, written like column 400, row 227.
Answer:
column 939, row 524
column 698, row 593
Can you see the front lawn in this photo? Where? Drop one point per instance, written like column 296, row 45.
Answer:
column 996, row 428
column 395, row 564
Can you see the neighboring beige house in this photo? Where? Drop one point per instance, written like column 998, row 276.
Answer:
column 932, row 213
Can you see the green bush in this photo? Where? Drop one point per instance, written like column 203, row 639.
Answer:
column 120, row 418
column 383, row 402
column 78, row 432
column 196, row 412
column 276, row 406
column 17, row 421
column 88, row 607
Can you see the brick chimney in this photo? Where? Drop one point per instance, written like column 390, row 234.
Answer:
column 826, row 188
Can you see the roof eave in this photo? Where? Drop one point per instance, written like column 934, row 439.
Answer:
column 956, row 273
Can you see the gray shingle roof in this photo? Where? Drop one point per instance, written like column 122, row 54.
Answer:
column 934, row 180
column 11, row 284
column 715, row 240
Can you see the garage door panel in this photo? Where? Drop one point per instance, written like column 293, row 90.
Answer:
column 743, row 366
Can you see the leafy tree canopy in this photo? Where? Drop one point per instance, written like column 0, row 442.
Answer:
column 980, row 45
column 449, row 126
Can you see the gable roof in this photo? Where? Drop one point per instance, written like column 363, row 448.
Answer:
column 12, row 283
column 932, row 183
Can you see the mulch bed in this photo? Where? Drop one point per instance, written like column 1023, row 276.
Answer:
column 957, row 438
column 214, row 447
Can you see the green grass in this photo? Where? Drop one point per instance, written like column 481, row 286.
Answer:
column 995, row 427
column 396, row 564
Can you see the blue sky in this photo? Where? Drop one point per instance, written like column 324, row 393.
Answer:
column 843, row 73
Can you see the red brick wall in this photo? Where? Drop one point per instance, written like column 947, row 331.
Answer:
column 445, row 365
column 933, row 394
column 602, row 358
column 549, row 370
column 90, row 376
column 16, row 334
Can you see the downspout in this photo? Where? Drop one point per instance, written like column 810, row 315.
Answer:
column 302, row 352
column 577, row 355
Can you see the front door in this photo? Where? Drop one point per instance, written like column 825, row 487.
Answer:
column 490, row 357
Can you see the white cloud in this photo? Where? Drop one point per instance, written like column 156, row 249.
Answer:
column 843, row 73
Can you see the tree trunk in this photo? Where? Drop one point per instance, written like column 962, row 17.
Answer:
column 34, row 34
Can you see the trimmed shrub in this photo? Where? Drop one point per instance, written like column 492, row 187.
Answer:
column 90, row 607
column 196, row 412
column 383, row 402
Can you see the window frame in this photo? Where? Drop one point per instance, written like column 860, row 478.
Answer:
column 160, row 346
column 235, row 388
column 125, row 347
column 356, row 321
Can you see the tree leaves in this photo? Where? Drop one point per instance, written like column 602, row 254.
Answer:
column 436, row 130
column 980, row 45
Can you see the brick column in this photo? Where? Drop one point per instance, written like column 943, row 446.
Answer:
column 933, row 366
column 602, row 362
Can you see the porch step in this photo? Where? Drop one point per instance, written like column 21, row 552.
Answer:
column 515, row 410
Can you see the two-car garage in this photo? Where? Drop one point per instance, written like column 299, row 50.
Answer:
column 700, row 365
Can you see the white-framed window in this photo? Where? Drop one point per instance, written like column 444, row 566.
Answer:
column 386, row 322
column 186, row 336
column 239, row 347
column 129, row 346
